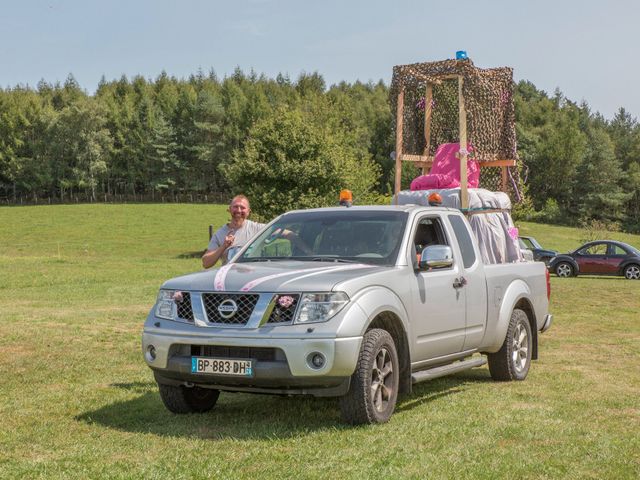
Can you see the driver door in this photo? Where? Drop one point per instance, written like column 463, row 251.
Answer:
column 592, row 259
column 438, row 309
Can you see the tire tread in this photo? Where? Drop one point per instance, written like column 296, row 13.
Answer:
column 500, row 366
column 183, row 400
column 356, row 406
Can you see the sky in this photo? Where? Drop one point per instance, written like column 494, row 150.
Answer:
column 585, row 48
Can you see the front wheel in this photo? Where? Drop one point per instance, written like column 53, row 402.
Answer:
column 188, row 400
column 564, row 270
column 374, row 384
column 513, row 360
column 632, row 272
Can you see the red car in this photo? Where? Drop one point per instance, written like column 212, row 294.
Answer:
column 602, row 257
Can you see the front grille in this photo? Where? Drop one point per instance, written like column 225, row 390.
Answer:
column 245, row 303
column 184, row 307
column 258, row 353
column 285, row 308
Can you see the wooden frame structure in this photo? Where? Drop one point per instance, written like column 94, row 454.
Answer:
column 423, row 78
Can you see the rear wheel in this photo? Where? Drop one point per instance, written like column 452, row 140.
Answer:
column 188, row 400
column 513, row 360
column 374, row 384
column 632, row 272
column 564, row 270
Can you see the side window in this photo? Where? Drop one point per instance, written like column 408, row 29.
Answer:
column 616, row 250
column 429, row 232
column 597, row 249
column 464, row 240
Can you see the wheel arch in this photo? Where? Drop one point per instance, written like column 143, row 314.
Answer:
column 626, row 263
column 567, row 259
column 517, row 295
column 390, row 322
column 382, row 308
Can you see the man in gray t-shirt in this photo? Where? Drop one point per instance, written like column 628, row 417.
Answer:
column 236, row 233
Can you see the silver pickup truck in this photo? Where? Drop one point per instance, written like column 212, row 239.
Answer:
column 358, row 303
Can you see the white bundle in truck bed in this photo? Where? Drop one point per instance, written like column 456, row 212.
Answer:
column 495, row 231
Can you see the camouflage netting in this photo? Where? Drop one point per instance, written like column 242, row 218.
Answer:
column 488, row 97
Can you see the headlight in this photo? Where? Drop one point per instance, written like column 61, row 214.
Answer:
column 320, row 307
column 165, row 305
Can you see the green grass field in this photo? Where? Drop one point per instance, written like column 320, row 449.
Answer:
column 78, row 401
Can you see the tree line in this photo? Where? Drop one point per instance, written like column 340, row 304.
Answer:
column 288, row 144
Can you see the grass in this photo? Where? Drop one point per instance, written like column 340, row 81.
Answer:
column 78, row 401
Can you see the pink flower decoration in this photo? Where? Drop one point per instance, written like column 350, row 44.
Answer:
column 513, row 233
column 285, row 301
column 421, row 104
column 177, row 297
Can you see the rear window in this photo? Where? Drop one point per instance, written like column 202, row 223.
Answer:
column 464, row 240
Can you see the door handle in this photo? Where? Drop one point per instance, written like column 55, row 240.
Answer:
column 459, row 282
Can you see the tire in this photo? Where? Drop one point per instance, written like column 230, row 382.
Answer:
column 564, row 270
column 632, row 272
column 188, row 400
column 374, row 385
column 513, row 360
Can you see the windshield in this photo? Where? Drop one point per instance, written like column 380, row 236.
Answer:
column 336, row 236
column 529, row 242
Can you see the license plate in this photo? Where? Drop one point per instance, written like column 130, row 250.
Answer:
column 221, row 366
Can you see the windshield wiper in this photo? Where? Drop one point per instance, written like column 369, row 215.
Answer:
column 298, row 259
column 332, row 259
column 263, row 259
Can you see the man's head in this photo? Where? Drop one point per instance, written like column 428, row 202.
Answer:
column 239, row 208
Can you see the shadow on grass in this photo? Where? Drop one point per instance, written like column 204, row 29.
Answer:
column 588, row 276
column 429, row 391
column 235, row 416
column 246, row 416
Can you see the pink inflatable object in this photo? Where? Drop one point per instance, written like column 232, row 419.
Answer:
column 445, row 171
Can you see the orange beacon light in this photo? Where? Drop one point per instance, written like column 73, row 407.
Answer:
column 435, row 199
column 346, row 198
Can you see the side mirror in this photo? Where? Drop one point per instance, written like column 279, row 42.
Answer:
column 435, row 257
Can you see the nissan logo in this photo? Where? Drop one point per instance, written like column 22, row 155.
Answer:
column 227, row 308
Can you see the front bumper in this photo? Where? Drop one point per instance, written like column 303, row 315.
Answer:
column 289, row 370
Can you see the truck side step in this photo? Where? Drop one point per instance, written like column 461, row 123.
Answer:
column 430, row 374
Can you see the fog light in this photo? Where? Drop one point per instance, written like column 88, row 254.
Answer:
column 316, row 360
column 151, row 353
